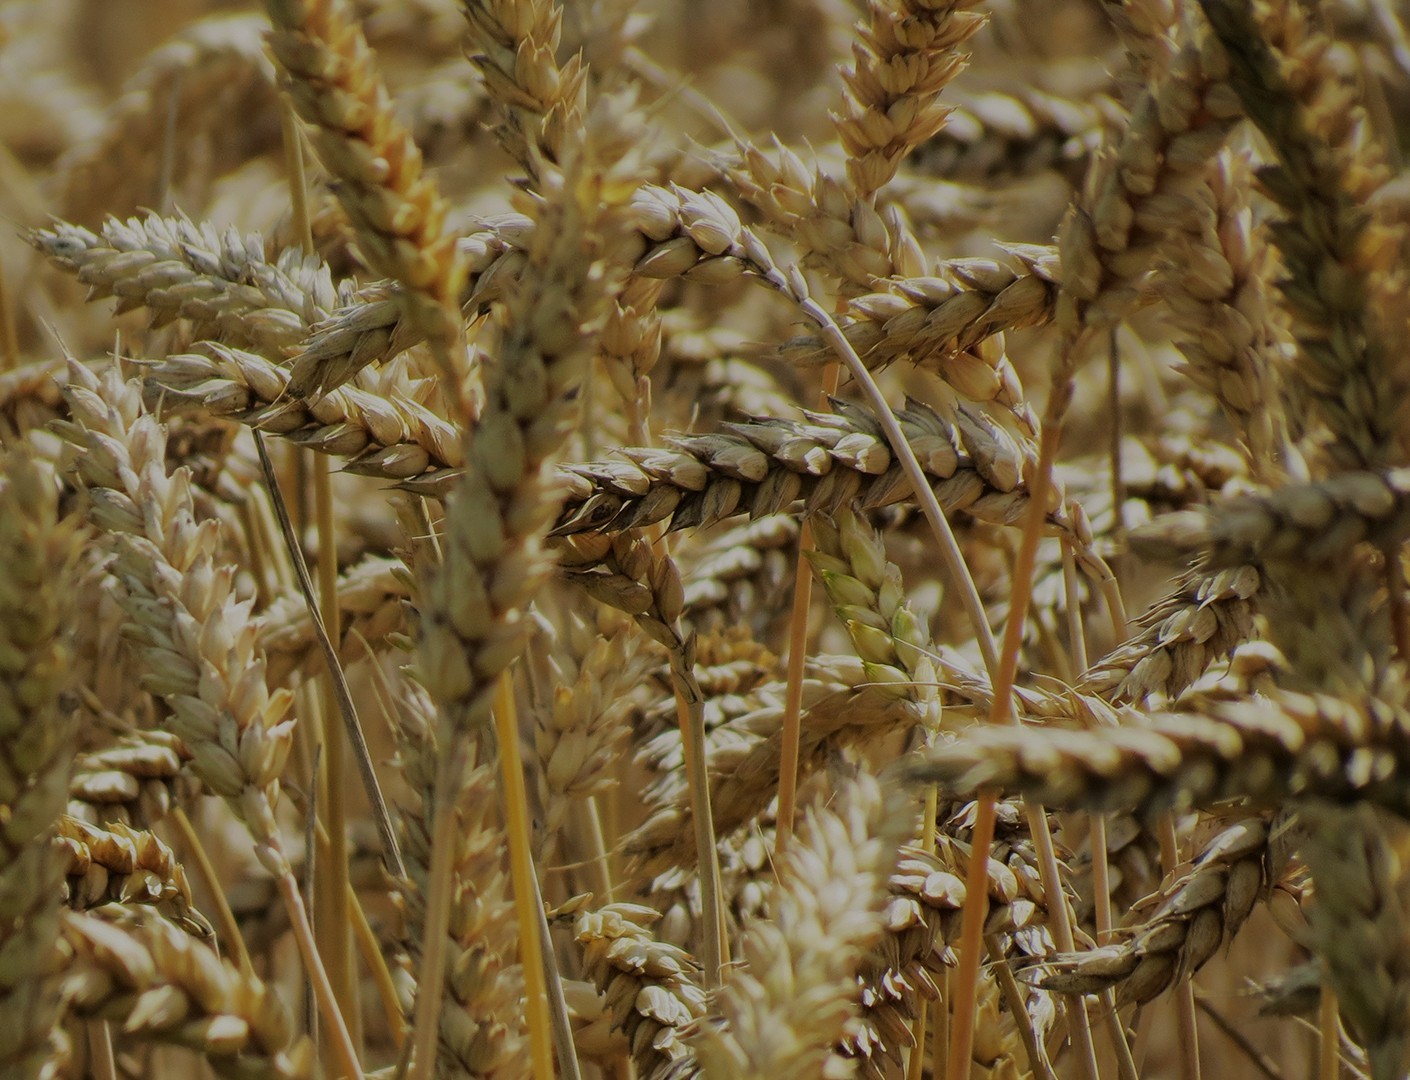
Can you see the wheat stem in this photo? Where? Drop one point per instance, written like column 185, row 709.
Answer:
column 1256, row 1057
column 338, row 1033
column 560, row 1021
column 391, row 850
column 797, row 657
column 100, row 1050
column 1329, row 1030
column 915, row 1068
column 367, row 944
column 521, row 869
column 690, row 712
column 342, row 969
column 225, row 918
column 1038, row 1062
column 793, row 701
column 440, row 878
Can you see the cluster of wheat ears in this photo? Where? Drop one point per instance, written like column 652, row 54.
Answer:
column 790, row 540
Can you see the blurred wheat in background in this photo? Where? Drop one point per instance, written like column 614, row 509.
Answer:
column 790, row 540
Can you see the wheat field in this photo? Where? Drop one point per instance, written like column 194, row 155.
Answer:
column 782, row 540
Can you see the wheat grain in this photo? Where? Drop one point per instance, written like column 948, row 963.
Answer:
column 867, row 594
column 741, row 573
column 570, row 415
column 390, row 435
column 1109, row 241
column 952, row 322
column 514, row 43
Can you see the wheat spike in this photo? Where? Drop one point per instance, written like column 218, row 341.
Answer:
column 157, row 983
column 827, row 459
column 652, row 988
column 166, row 561
column 38, row 549
column 1290, row 745
column 373, row 597
column 479, row 1032
column 744, row 757
column 214, row 68
column 219, row 280
column 1192, row 917
column 397, row 211
column 785, row 1011
column 132, row 782
column 1347, row 373
column 905, row 55
column 1318, row 522
column 1360, row 926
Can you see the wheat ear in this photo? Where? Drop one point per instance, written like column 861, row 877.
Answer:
column 1347, row 373
column 193, row 630
column 160, row 984
column 38, row 551
column 396, row 210
column 784, row 1012
column 652, row 987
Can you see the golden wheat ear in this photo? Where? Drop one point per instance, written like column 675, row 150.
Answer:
column 39, row 549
